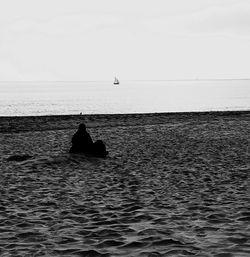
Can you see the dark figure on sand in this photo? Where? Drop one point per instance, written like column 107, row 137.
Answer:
column 83, row 143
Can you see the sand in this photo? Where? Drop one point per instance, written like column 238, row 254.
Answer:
column 172, row 185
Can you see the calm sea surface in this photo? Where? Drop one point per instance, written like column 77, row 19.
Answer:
column 42, row 98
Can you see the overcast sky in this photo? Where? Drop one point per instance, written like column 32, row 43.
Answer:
column 131, row 39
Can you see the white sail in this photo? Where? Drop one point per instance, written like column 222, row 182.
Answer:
column 116, row 82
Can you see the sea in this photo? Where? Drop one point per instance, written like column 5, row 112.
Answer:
column 103, row 97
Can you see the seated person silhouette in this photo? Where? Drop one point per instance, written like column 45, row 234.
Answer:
column 83, row 143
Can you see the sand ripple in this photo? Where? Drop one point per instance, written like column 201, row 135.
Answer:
column 177, row 189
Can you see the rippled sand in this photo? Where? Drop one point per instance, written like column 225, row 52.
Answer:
column 173, row 185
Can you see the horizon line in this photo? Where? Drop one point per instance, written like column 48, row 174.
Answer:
column 126, row 80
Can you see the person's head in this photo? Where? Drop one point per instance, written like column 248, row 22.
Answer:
column 82, row 127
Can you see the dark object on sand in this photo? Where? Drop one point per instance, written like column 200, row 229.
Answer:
column 83, row 143
column 19, row 158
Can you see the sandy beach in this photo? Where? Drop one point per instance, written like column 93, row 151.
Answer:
column 172, row 185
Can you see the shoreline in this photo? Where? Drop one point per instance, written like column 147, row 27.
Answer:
column 13, row 124
column 139, row 113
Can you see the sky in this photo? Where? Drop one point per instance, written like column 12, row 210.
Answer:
column 81, row 40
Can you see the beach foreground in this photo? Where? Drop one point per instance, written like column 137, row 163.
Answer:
column 172, row 185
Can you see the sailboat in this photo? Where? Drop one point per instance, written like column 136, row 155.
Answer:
column 116, row 82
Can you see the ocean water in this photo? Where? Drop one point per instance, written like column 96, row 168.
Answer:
column 46, row 98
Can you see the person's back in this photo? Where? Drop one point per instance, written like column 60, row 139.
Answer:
column 81, row 141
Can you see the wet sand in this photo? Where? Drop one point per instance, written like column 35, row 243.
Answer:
column 173, row 185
